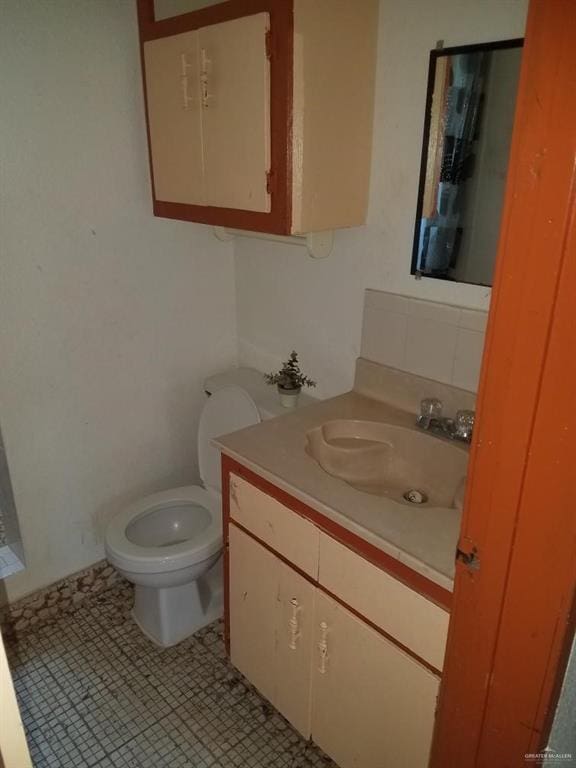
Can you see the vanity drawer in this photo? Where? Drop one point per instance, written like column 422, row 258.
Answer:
column 289, row 534
column 405, row 615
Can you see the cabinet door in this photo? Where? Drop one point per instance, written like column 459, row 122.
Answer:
column 372, row 704
column 174, row 116
column 236, row 112
column 254, row 577
column 271, row 627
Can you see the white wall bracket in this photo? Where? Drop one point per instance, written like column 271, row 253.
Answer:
column 319, row 244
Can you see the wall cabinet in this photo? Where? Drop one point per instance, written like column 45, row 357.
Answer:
column 364, row 689
column 260, row 112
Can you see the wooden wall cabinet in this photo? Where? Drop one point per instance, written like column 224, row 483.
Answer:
column 363, row 688
column 260, row 112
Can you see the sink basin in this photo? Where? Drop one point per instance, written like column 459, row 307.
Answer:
column 390, row 460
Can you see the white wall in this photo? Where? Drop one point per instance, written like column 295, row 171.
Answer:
column 285, row 299
column 109, row 318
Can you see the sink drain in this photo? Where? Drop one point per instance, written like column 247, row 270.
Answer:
column 415, row 497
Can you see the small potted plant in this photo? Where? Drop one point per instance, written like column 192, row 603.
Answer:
column 289, row 380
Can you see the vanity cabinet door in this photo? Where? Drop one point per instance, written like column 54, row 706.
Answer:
column 295, row 642
column 271, row 627
column 372, row 704
column 254, row 578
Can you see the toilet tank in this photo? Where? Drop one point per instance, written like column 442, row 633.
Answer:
column 265, row 396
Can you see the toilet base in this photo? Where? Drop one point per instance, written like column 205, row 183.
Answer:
column 171, row 614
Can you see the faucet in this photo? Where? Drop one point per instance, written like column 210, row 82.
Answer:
column 431, row 420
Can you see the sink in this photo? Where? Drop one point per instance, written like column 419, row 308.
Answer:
column 383, row 459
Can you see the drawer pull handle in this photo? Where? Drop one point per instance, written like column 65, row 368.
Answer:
column 294, row 625
column 323, row 647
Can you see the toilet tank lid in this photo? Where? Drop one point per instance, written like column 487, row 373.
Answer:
column 227, row 410
column 252, row 381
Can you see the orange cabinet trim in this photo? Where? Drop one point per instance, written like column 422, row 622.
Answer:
column 334, row 597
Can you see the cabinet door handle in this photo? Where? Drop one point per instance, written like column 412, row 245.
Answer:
column 294, row 624
column 323, row 647
column 205, row 66
column 187, row 100
column 233, row 491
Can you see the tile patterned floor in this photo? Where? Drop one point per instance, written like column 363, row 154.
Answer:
column 95, row 693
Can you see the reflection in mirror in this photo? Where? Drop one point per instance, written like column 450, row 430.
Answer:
column 165, row 9
column 467, row 136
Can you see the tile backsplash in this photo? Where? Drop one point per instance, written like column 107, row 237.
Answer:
column 436, row 341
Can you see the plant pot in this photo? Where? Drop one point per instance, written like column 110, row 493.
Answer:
column 289, row 397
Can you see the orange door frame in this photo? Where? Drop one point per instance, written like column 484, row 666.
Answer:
column 513, row 617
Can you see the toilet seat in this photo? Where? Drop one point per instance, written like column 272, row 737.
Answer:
column 123, row 553
column 169, row 545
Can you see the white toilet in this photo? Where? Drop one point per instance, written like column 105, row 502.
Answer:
column 169, row 544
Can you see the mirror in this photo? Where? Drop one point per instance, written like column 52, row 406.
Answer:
column 467, row 135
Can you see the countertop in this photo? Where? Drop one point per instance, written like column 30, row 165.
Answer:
column 422, row 538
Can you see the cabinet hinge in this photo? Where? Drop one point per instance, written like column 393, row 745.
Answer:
column 269, row 182
column 268, row 43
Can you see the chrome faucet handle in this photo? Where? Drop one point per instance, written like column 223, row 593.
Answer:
column 431, row 408
column 464, row 425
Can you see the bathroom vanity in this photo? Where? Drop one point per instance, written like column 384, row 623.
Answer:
column 337, row 604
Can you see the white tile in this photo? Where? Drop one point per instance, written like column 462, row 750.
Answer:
column 468, row 359
column 473, row 319
column 430, row 348
column 408, row 305
column 94, row 692
column 384, row 337
column 391, row 302
column 434, row 310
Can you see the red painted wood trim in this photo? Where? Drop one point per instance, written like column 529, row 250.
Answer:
column 512, row 620
column 433, row 592
column 221, row 217
column 338, row 599
column 279, row 220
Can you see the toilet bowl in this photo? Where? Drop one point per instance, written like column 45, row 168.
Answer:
column 169, row 545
